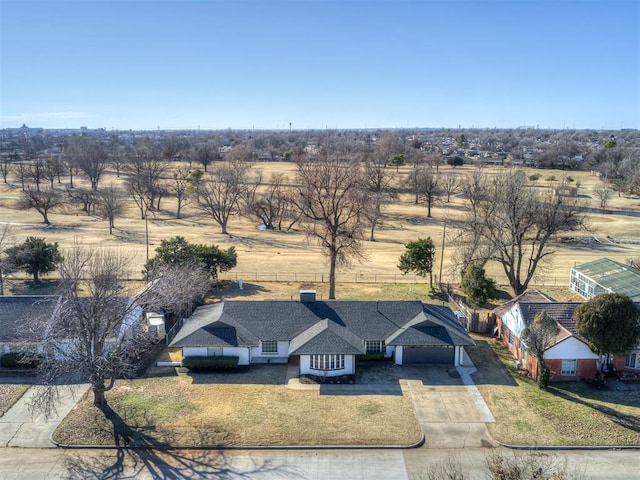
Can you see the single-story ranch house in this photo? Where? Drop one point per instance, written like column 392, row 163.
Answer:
column 569, row 358
column 325, row 335
column 23, row 320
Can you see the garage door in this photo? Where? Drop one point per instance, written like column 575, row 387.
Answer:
column 428, row 355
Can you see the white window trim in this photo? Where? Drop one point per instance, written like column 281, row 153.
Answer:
column 569, row 373
column 269, row 343
column 374, row 346
column 326, row 362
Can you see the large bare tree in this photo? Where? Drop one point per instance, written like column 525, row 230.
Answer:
column 43, row 201
column 87, row 154
column 511, row 223
column 111, row 204
column 273, row 206
column 98, row 333
column 331, row 199
column 379, row 180
column 219, row 196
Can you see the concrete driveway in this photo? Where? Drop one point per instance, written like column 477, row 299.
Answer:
column 450, row 410
column 20, row 427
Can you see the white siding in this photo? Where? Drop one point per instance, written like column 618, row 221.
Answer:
column 513, row 320
column 194, row 351
column 349, row 367
column 241, row 352
column 398, row 357
column 389, row 351
column 570, row 349
column 283, row 351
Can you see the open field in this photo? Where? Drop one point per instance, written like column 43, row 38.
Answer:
column 288, row 256
column 250, row 408
column 567, row 414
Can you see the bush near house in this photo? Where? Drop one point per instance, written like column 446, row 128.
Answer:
column 19, row 360
column 379, row 356
column 210, row 363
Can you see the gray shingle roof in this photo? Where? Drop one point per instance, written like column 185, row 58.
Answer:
column 23, row 318
column 327, row 337
column 302, row 324
column 561, row 312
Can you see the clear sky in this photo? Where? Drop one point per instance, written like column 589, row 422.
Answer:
column 319, row 64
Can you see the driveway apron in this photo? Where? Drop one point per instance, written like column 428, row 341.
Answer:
column 20, row 427
column 450, row 410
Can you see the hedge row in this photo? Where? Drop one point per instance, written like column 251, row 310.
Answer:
column 19, row 360
column 210, row 363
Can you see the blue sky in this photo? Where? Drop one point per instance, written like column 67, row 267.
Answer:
column 319, row 64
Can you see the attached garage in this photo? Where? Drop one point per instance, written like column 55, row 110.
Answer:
column 428, row 355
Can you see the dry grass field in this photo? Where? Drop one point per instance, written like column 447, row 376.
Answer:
column 290, row 257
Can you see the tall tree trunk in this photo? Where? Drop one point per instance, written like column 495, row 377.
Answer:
column 99, row 399
column 36, row 276
column 332, row 275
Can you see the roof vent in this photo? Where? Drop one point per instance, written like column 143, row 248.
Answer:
column 307, row 296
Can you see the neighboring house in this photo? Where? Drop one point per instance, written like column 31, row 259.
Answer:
column 326, row 336
column 24, row 319
column 605, row 276
column 569, row 358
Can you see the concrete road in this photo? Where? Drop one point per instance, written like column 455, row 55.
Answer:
column 37, row 464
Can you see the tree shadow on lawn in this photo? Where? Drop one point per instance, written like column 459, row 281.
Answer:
column 139, row 451
column 581, row 393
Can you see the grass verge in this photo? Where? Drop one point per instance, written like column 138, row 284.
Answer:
column 10, row 393
column 225, row 409
column 570, row 413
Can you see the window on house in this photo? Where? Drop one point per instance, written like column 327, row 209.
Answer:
column 374, row 346
column 631, row 360
column 568, row 368
column 511, row 337
column 214, row 351
column 269, row 347
column 327, row 362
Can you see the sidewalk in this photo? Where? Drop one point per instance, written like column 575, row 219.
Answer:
column 19, row 427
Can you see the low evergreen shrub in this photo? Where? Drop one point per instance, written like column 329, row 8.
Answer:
column 210, row 363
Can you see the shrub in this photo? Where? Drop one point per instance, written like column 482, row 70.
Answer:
column 20, row 360
column 372, row 356
column 210, row 363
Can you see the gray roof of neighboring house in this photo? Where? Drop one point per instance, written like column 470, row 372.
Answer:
column 24, row 318
column 561, row 312
column 311, row 326
column 532, row 295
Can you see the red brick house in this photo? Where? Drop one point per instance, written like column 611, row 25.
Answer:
column 569, row 358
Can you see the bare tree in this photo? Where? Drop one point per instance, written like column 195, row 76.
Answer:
column 6, row 166
column 206, row 153
column 43, row 201
column 512, row 224
column 147, row 170
column 85, row 197
column 98, row 332
column 331, row 201
column 23, row 173
column 220, row 195
column 426, row 183
column 87, row 154
column 603, row 194
column 36, row 172
column 180, row 188
column 378, row 180
column 110, row 204
column 273, row 207
column 450, row 183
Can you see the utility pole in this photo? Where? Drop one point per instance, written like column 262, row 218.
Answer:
column 444, row 232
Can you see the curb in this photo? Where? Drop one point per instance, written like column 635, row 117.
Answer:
column 417, row 444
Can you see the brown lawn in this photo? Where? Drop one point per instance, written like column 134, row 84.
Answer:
column 252, row 408
column 288, row 256
column 10, row 393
